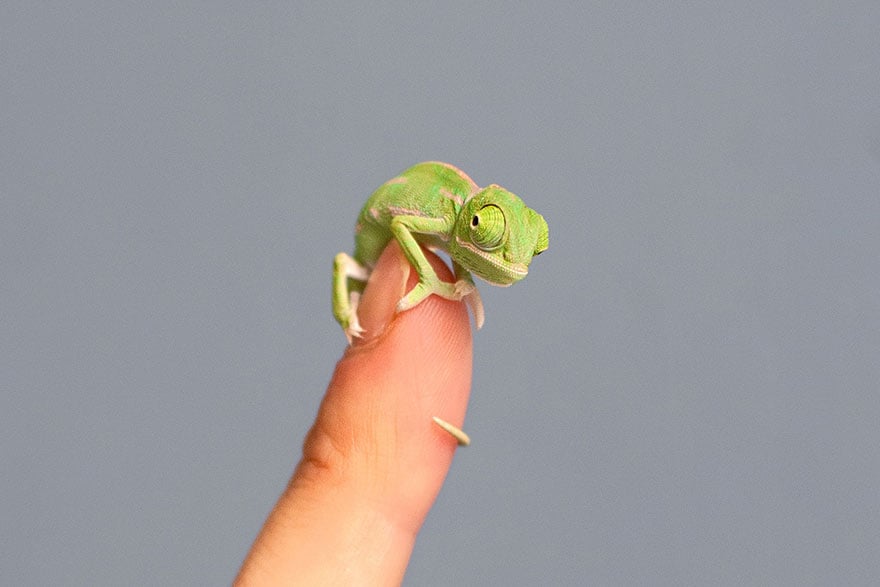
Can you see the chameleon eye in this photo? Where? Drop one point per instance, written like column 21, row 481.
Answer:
column 487, row 227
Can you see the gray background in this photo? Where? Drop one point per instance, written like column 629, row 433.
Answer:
column 685, row 389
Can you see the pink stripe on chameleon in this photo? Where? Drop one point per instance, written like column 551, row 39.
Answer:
column 459, row 172
column 400, row 211
column 447, row 194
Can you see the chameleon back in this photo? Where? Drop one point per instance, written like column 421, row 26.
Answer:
column 431, row 189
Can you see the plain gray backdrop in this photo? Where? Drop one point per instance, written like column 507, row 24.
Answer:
column 684, row 390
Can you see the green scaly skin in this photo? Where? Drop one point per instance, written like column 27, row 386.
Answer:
column 488, row 232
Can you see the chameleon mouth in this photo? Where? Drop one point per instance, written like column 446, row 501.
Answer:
column 507, row 273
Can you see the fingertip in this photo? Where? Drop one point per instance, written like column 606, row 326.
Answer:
column 410, row 367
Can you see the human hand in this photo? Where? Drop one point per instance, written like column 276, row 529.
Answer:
column 373, row 462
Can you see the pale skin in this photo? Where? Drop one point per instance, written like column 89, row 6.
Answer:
column 487, row 232
column 373, row 462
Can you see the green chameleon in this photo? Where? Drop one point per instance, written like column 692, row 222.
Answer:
column 488, row 232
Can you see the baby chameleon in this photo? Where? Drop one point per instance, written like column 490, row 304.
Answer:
column 488, row 232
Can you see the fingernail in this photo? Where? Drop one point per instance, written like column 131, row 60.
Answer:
column 387, row 284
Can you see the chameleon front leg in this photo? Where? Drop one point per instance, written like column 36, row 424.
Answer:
column 402, row 228
column 345, row 301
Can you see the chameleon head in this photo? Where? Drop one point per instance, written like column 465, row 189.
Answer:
column 496, row 236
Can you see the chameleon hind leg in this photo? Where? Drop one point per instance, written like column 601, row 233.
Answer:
column 345, row 298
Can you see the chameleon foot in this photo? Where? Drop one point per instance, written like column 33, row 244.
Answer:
column 354, row 328
column 460, row 290
column 462, row 438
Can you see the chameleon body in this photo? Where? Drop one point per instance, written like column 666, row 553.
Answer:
column 485, row 231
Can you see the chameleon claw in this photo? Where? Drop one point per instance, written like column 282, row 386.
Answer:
column 353, row 331
column 414, row 297
column 462, row 438
column 354, row 328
